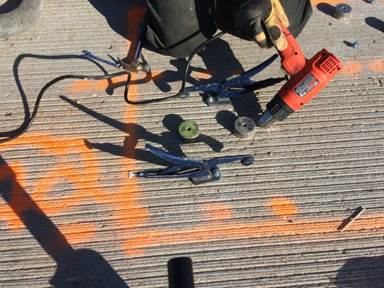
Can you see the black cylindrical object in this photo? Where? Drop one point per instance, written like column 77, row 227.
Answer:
column 180, row 273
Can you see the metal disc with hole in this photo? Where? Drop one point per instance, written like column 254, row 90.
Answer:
column 189, row 131
column 244, row 127
column 342, row 10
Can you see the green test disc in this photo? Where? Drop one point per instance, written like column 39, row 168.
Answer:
column 189, row 130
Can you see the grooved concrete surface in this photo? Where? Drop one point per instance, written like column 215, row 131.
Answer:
column 71, row 217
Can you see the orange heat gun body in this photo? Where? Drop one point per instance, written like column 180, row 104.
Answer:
column 307, row 77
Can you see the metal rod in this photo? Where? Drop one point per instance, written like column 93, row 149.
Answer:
column 351, row 219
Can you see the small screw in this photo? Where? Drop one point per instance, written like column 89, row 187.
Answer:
column 355, row 45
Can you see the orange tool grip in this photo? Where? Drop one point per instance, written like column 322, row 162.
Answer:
column 310, row 80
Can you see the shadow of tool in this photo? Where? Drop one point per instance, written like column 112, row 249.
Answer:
column 219, row 61
column 226, row 119
column 220, row 64
column 169, row 140
column 362, row 272
column 180, row 273
column 375, row 23
column 326, row 8
column 76, row 268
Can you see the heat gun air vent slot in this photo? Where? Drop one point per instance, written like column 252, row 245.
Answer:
column 330, row 65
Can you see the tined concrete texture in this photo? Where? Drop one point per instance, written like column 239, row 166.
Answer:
column 71, row 217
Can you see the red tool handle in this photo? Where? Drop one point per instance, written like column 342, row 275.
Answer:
column 292, row 58
column 307, row 79
column 313, row 77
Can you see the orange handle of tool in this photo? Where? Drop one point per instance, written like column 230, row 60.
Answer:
column 310, row 80
column 292, row 57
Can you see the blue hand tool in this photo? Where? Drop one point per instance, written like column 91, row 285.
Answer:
column 198, row 171
column 233, row 87
column 139, row 64
column 89, row 55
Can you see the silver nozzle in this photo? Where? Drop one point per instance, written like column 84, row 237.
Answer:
column 266, row 119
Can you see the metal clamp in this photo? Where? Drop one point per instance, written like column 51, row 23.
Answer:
column 89, row 55
column 198, row 171
column 234, row 86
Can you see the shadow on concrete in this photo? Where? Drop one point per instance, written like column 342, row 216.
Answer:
column 226, row 119
column 169, row 140
column 348, row 43
column 362, row 272
column 220, row 63
column 123, row 16
column 326, row 8
column 375, row 23
column 80, row 268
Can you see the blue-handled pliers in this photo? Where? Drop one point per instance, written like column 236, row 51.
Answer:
column 233, row 87
column 198, row 171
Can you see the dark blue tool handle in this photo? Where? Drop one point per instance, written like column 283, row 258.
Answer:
column 246, row 160
column 222, row 89
column 245, row 78
column 179, row 161
column 164, row 173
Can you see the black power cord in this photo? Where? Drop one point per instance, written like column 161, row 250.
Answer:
column 184, row 79
column 29, row 117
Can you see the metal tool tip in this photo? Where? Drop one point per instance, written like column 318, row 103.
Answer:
column 132, row 175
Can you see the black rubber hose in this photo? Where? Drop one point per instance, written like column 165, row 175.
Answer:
column 21, row 18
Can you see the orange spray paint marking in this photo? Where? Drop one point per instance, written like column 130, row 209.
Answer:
column 262, row 229
column 131, row 188
column 376, row 65
column 135, row 18
column 94, row 86
column 85, row 189
column 215, row 211
column 351, row 68
column 282, row 207
column 78, row 233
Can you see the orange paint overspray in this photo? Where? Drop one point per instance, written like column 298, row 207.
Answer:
column 282, row 207
column 136, row 244
column 57, row 174
column 356, row 67
column 92, row 86
column 217, row 211
column 132, row 215
column 352, row 67
column 376, row 65
column 137, row 212
column 86, row 189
